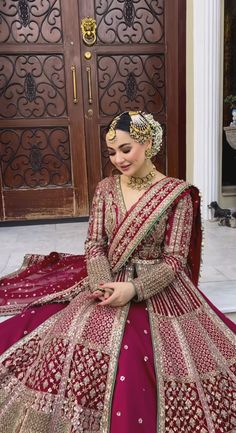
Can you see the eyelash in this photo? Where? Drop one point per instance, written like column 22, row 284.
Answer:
column 124, row 151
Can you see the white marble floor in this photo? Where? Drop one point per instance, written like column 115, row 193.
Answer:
column 218, row 276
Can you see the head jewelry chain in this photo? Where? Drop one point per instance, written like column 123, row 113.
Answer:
column 142, row 127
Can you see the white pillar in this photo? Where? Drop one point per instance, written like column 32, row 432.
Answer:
column 207, row 58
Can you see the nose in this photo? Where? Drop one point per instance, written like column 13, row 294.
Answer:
column 119, row 158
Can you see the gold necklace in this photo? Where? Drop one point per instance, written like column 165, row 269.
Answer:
column 139, row 183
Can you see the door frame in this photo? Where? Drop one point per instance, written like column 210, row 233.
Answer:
column 176, row 87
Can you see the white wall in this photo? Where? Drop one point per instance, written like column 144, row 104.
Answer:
column 205, row 36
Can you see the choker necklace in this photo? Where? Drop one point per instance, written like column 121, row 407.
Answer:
column 139, row 183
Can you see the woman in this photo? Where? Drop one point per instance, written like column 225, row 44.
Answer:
column 125, row 343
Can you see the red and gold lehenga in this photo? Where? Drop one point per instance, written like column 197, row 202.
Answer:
column 165, row 363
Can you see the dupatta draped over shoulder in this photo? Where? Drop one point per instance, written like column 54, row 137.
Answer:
column 60, row 377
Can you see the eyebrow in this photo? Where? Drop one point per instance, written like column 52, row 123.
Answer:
column 119, row 147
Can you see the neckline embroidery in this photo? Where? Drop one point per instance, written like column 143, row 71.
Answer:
column 121, row 195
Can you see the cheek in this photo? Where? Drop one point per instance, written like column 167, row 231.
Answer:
column 113, row 160
column 138, row 154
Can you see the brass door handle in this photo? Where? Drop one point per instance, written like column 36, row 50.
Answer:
column 74, row 82
column 90, row 96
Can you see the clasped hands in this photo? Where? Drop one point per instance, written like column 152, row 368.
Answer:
column 114, row 294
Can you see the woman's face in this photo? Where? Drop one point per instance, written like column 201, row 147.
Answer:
column 126, row 154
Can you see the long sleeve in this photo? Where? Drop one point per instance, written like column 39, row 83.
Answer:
column 98, row 267
column 174, row 253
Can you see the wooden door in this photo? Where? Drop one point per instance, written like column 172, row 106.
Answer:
column 136, row 63
column 52, row 148
column 42, row 139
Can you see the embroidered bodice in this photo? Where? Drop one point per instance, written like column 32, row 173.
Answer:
column 150, row 247
column 165, row 246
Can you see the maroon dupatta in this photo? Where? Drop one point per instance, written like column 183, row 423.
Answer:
column 139, row 220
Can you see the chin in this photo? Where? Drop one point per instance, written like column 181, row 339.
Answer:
column 129, row 172
column 133, row 172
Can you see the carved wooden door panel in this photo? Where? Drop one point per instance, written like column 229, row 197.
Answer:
column 52, row 150
column 136, row 62
column 42, row 140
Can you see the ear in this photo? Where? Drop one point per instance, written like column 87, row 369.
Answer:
column 148, row 144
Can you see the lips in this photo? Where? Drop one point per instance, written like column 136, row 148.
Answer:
column 125, row 167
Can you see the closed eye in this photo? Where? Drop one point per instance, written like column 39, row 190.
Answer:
column 124, row 150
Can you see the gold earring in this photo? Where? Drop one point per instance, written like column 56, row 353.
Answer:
column 148, row 153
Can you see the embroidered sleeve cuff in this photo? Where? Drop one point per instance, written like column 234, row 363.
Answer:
column 139, row 290
column 98, row 272
column 150, row 283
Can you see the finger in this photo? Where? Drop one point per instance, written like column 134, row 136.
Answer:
column 97, row 295
column 99, row 298
column 108, row 301
column 98, row 292
column 109, row 290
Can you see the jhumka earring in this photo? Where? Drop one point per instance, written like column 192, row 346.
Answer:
column 148, row 153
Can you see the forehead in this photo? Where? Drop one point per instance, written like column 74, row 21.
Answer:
column 122, row 137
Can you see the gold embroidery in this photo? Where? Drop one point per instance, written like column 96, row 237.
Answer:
column 148, row 202
column 174, row 254
column 21, row 414
column 78, row 366
column 98, row 266
column 116, row 342
column 194, row 386
column 76, row 351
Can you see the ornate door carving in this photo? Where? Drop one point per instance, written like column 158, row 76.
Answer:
column 137, row 61
column 59, row 89
column 42, row 151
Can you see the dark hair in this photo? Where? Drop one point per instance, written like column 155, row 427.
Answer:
column 123, row 122
column 141, row 126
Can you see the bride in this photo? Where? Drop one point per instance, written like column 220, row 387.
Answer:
column 121, row 340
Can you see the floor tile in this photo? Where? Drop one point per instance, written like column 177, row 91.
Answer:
column 228, row 271
column 223, row 256
column 222, row 294
column 212, row 273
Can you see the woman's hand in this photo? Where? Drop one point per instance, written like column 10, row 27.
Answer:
column 102, row 294
column 115, row 294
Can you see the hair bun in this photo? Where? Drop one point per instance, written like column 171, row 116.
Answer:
column 157, row 132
